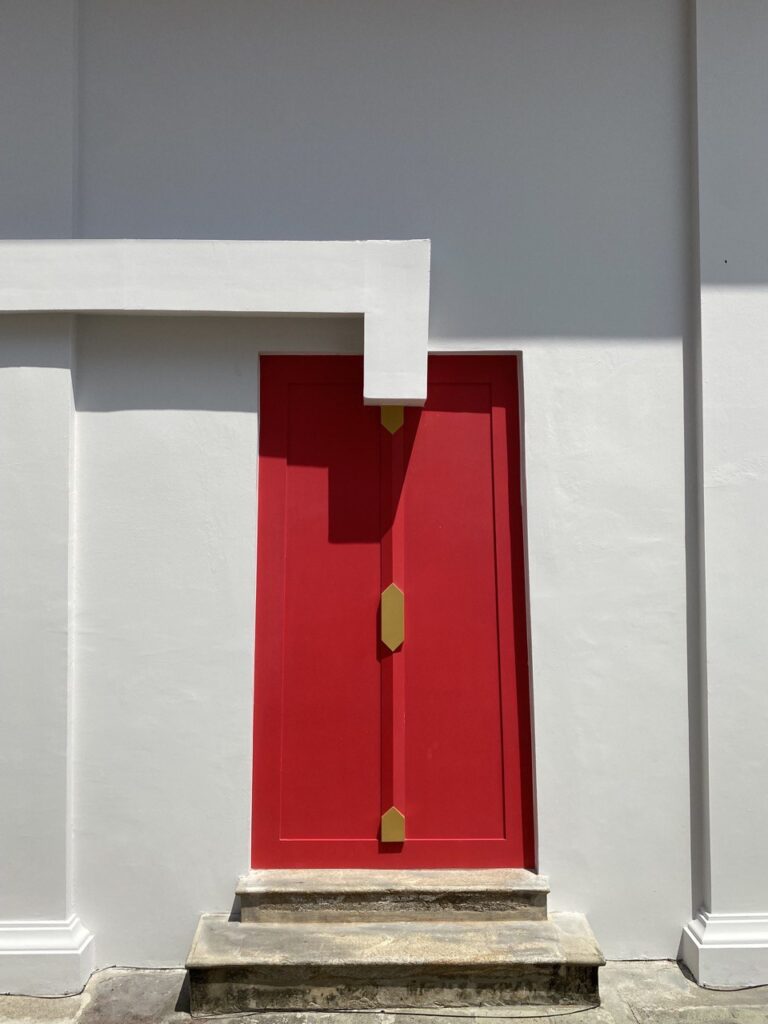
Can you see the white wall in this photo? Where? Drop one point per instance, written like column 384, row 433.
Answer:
column 727, row 942
column 543, row 147
column 36, row 678
column 36, row 410
column 733, row 160
column 606, row 564
column 167, row 451
column 166, row 457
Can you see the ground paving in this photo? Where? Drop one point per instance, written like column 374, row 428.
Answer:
column 635, row 992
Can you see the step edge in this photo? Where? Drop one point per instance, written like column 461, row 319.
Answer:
column 265, row 881
column 570, row 947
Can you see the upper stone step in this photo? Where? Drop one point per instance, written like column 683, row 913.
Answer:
column 339, row 895
column 235, row 967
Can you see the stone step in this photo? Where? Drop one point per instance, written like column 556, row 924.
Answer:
column 236, row 967
column 338, row 895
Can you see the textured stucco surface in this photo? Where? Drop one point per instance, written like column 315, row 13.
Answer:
column 543, row 148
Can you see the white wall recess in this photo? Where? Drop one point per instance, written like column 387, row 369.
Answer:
column 387, row 282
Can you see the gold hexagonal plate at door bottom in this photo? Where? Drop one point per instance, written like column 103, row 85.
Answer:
column 392, row 826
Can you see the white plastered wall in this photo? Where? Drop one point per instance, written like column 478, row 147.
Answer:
column 167, row 414
column 36, row 660
column 606, row 576
column 167, row 447
column 543, row 148
column 726, row 943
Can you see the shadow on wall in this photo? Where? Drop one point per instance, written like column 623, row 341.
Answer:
column 541, row 146
column 35, row 340
column 196, row 362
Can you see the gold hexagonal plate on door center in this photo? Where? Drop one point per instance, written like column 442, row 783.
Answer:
column 392, row 617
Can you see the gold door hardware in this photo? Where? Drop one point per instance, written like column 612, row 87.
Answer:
column 392, row 617
column 393, row 826
column 392, row 417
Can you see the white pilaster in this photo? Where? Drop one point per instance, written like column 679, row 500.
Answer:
column 44, row 948
column 726, row 945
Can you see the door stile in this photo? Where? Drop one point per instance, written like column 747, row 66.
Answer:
column 513, row 658
column 393, row 795
column 270, row 609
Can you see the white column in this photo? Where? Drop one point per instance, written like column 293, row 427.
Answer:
column 726, row 944
column 44, row 948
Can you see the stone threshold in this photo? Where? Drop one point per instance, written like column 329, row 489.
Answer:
column 349, row 895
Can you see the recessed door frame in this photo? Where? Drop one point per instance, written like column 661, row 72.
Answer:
column 272, row 847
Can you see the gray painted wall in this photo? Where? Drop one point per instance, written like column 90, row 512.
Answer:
column 38, row 118
column 542, row 146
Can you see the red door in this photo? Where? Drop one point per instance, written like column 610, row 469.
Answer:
column 347, row 728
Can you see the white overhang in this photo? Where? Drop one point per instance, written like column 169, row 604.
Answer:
column 387, row 282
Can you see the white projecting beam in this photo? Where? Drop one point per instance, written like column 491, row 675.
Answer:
column 387, row 282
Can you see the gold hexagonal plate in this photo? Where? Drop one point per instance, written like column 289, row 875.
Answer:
column 392, row 417
column 392, row 617
column 393, row 826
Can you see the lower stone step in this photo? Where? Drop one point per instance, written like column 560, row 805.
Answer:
column 237, row 966
column 511, row 894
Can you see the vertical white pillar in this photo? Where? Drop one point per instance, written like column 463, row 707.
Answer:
column 726, row 944
column 44, row 948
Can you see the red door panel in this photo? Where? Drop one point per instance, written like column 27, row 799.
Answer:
column 455, row 785
column 344, row 728
column 330, row 669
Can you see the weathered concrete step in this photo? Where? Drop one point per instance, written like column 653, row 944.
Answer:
column 235, row 966
column 352, row 895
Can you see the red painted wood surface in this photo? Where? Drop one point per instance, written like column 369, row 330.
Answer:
column 344, row 728
column 393, row 696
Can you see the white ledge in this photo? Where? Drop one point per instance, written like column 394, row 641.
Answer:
column 387, row 282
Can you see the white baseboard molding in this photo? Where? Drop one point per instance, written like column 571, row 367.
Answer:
column 727, row 950
column 45, row 958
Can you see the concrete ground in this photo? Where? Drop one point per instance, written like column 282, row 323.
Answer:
column 634, row 992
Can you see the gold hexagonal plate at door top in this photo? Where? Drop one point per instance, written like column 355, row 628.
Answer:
column 392, row 417
column 393, row 826
column 392, row 617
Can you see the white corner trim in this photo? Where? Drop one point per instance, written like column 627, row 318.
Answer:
column 727, row 950
column 44, row 958
column 385, row 281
